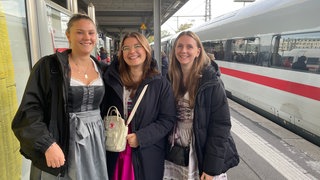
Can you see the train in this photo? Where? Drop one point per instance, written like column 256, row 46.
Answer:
column 256, row 48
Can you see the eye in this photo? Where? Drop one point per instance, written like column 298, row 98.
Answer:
column 137, row 46
column 125, row 48
column 189, row 46
column 179, row 46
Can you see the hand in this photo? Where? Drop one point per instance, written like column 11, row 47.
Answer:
column 54, row 156
column 205, row 176
column 132, row 140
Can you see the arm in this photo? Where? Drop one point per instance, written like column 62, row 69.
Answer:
column 159, row 114
column 217, row 133
column 30, row 123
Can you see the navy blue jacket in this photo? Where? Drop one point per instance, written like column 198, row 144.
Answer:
column 152, row 121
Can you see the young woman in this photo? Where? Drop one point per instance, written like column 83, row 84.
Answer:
column 203, row 122
column 143, row 158
column 58, row 123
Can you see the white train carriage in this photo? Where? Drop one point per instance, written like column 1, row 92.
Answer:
column 252, row 46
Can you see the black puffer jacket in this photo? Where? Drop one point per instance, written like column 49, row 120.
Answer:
column 42, row 117
column 216, row 151
column 152, row 121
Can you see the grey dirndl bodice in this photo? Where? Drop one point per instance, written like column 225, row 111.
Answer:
column 87, row 141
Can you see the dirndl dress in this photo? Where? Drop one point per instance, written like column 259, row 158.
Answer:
column 87, row 155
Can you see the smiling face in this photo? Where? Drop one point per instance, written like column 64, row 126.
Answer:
column 186, row 50
column 133, row 52
column 82, row 36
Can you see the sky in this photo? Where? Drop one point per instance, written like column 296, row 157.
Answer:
column 191, row 11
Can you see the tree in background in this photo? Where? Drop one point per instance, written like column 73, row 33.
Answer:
column 183, row 27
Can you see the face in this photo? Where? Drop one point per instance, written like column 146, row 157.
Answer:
column 82, row 36
column 133, row 52
column 186, row 51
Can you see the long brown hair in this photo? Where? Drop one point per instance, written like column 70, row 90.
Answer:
column 175, row 72
column 148, row 69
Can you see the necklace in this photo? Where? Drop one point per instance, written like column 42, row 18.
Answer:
column 84, row 72
column 79, row 69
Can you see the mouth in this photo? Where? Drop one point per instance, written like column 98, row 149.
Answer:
column 86, row 43
column 133, row 57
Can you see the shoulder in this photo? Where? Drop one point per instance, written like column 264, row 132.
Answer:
column 44, row 63
column 159, row 82
column 209, row 73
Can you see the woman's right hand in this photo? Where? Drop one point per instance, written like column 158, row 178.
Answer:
column 54, row 156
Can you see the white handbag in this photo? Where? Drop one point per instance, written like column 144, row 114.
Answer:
column 116, row 130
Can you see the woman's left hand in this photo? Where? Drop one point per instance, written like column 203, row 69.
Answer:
column 132, row 140
column 205, row 176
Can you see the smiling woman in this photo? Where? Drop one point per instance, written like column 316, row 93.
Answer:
column 154, row 118
column 63, row 139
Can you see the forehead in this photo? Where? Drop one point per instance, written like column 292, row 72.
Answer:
column 130, row 40
column 185, row 39
column 83, row 24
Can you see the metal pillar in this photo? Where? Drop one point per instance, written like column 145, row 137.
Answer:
column 73, row 6
column 92, row 12
column 157, row 31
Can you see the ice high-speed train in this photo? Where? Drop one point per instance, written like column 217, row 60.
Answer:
column 256, row 48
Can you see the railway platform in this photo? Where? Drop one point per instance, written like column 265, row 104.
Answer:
column 268, row 151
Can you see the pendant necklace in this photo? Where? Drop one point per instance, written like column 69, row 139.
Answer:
column 85, row 72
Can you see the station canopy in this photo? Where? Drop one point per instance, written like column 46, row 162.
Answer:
column 119, row 16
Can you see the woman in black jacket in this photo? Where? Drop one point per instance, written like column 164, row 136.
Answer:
column 203, row 118
column 58, row 123
column 143, row 158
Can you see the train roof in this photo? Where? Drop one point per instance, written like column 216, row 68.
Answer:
column 263, row 17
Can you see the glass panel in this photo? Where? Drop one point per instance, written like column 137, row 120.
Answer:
column 14, row 72
column 295, row 46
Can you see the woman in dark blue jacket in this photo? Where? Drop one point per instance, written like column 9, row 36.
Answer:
column 203, row 117
column 143, row 158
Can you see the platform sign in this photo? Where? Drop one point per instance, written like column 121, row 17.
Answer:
column 143, row 26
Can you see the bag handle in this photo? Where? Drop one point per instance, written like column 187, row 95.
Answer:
column 137, row 104
column 113, row 109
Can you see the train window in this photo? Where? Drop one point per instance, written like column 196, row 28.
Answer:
column 214, row 48
column 302, row 44
column 245, row 50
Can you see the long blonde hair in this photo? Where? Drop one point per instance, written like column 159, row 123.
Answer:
column 175, row 72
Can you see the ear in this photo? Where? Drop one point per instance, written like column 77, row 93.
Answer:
column 198, row 52
column 68, row 36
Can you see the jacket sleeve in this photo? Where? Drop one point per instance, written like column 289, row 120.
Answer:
column 218, row 132
column 29, row 122
column 161, row 120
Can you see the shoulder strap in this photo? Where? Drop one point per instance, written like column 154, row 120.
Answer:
column 137, row 104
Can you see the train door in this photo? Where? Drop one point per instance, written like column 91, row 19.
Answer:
column 15, row 60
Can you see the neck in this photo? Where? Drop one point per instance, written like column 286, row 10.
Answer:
column 136, row 74
column 185, row 73
column 80, row 60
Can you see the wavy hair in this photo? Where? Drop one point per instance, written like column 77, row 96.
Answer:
column 176, row 75
column 124, row 69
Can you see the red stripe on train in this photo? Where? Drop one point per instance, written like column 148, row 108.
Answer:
column 308, row 91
